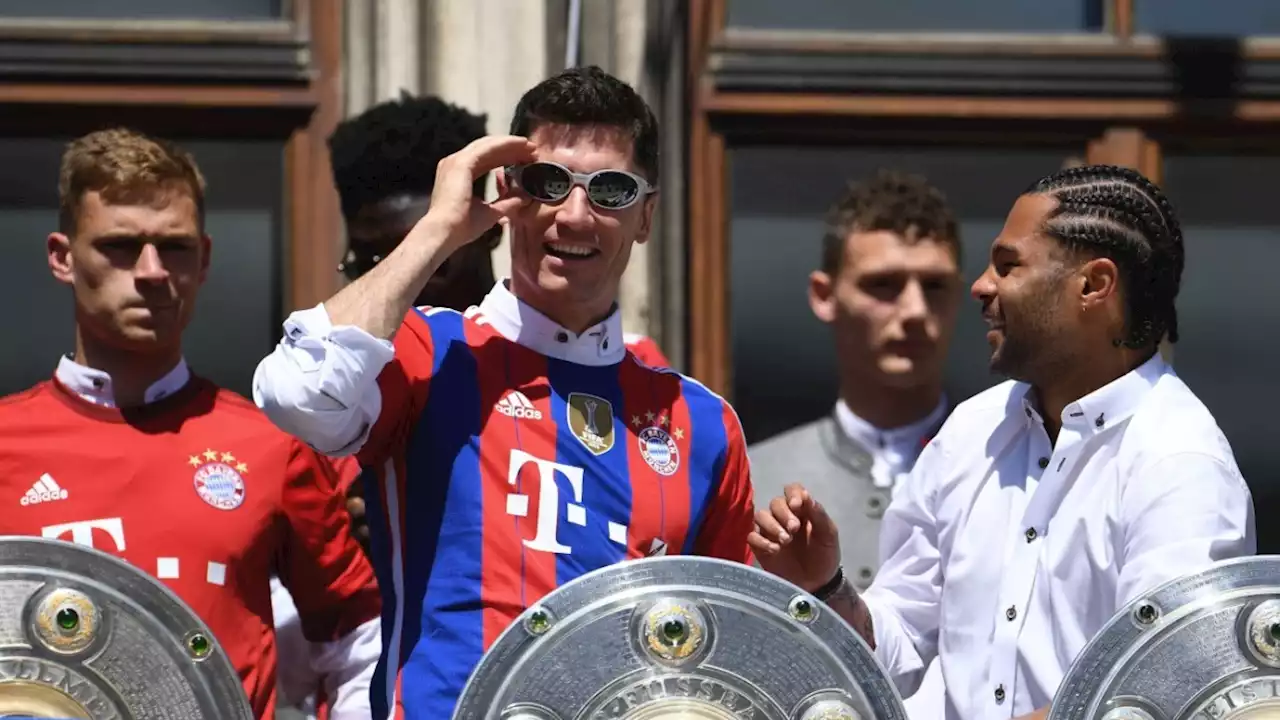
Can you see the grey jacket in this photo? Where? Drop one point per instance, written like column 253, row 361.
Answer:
column 837, row 470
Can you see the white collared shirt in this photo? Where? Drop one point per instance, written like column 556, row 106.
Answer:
column 320, row 384
column 95, row 386
column 1005, row 554
column 894, row 451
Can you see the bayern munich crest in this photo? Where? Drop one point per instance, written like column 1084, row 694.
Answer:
column 219, row 479
column 659, row 450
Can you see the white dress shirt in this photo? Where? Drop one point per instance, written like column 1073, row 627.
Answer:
column 893, row 451
column 1004, row 554
column 320, row 384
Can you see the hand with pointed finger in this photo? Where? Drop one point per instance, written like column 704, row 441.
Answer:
column 455, row 211
column 796, row 540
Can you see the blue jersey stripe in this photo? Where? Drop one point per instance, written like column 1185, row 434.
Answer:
column 443, row 531
column 606, row 484
column 708, row 452
column 380, row 557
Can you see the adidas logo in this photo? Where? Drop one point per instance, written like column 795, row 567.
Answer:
column 46, row 489
column 516, row 405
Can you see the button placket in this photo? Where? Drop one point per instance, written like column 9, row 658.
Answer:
column 1019, row 580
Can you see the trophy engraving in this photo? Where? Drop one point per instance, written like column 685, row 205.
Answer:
column 85, row 635
column 679, row 638
column 1205, row 646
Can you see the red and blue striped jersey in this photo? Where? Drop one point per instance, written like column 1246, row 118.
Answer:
column 497, row 473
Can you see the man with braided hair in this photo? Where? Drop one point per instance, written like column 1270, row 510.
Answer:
column 1046, row 503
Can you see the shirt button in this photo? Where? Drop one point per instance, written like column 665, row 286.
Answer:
column 562, row 336
column 1031, row 534
column 1043, row 462
column 999, row 694
column 1011, row 614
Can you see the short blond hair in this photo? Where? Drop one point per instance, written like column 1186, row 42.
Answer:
column 126, row 167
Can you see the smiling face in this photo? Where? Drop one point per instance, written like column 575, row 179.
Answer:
column 135, row 269
column 1025, row 297
column 568, row 257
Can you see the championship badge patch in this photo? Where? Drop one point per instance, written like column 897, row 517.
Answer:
column 659, row 450
column 591, row 421
column 219, row 479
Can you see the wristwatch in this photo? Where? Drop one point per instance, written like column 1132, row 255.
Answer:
column 825, row 592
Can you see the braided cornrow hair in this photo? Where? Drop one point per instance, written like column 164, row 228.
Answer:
column 1117, row 213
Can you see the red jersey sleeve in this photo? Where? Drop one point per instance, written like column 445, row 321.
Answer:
column 403, row 386
column 326, row 572
column 731, row 514
column 647, row 351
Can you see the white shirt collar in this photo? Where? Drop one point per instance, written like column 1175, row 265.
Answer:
column 1109, row 404
column 893, row 451
column 516, row 320
column 95, row 386
column 874, row 438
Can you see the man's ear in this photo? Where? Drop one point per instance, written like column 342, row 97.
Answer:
column 646, row 218
column 822, row 296
column 1100, row 279
column 61, row 264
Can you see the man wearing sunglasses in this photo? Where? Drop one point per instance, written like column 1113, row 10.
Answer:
column 518, row 445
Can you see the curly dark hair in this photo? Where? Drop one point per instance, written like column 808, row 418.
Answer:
column 394, row 147
column 892, row 201
column 591, row 96
column 1116, row 213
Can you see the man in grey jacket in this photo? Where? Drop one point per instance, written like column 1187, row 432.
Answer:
column 889, row 288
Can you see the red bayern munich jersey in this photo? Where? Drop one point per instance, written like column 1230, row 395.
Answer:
column 499, row 474
column 202, row 491
column 646, row 350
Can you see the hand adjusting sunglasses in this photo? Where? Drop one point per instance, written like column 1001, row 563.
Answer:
column 607, row 189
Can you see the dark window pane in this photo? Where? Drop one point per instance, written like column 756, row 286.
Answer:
column 1190, row 17
column 237, row 316
column 919, row 15
column 1229, row 308
column 784, row 366
column 148, row 9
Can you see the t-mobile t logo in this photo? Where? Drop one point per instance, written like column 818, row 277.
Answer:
column 548, row 520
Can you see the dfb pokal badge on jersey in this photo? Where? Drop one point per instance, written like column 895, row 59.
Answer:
column 1205, row 646
column 87, row 636
column 679, row 638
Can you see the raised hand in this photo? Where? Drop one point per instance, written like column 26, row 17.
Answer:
column 796, row 540
column 455, row 211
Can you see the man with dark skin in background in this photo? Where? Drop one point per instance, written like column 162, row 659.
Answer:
column 384, row 168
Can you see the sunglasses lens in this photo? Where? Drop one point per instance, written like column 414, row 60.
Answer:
column 545, row 182
column 613, row 190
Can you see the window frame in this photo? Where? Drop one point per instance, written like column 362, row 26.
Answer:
column 1117, row 92
column 299, row 101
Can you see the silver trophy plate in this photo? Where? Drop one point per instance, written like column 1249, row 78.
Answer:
column 1201, row 647
column 679, row 638
column 84, row 635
